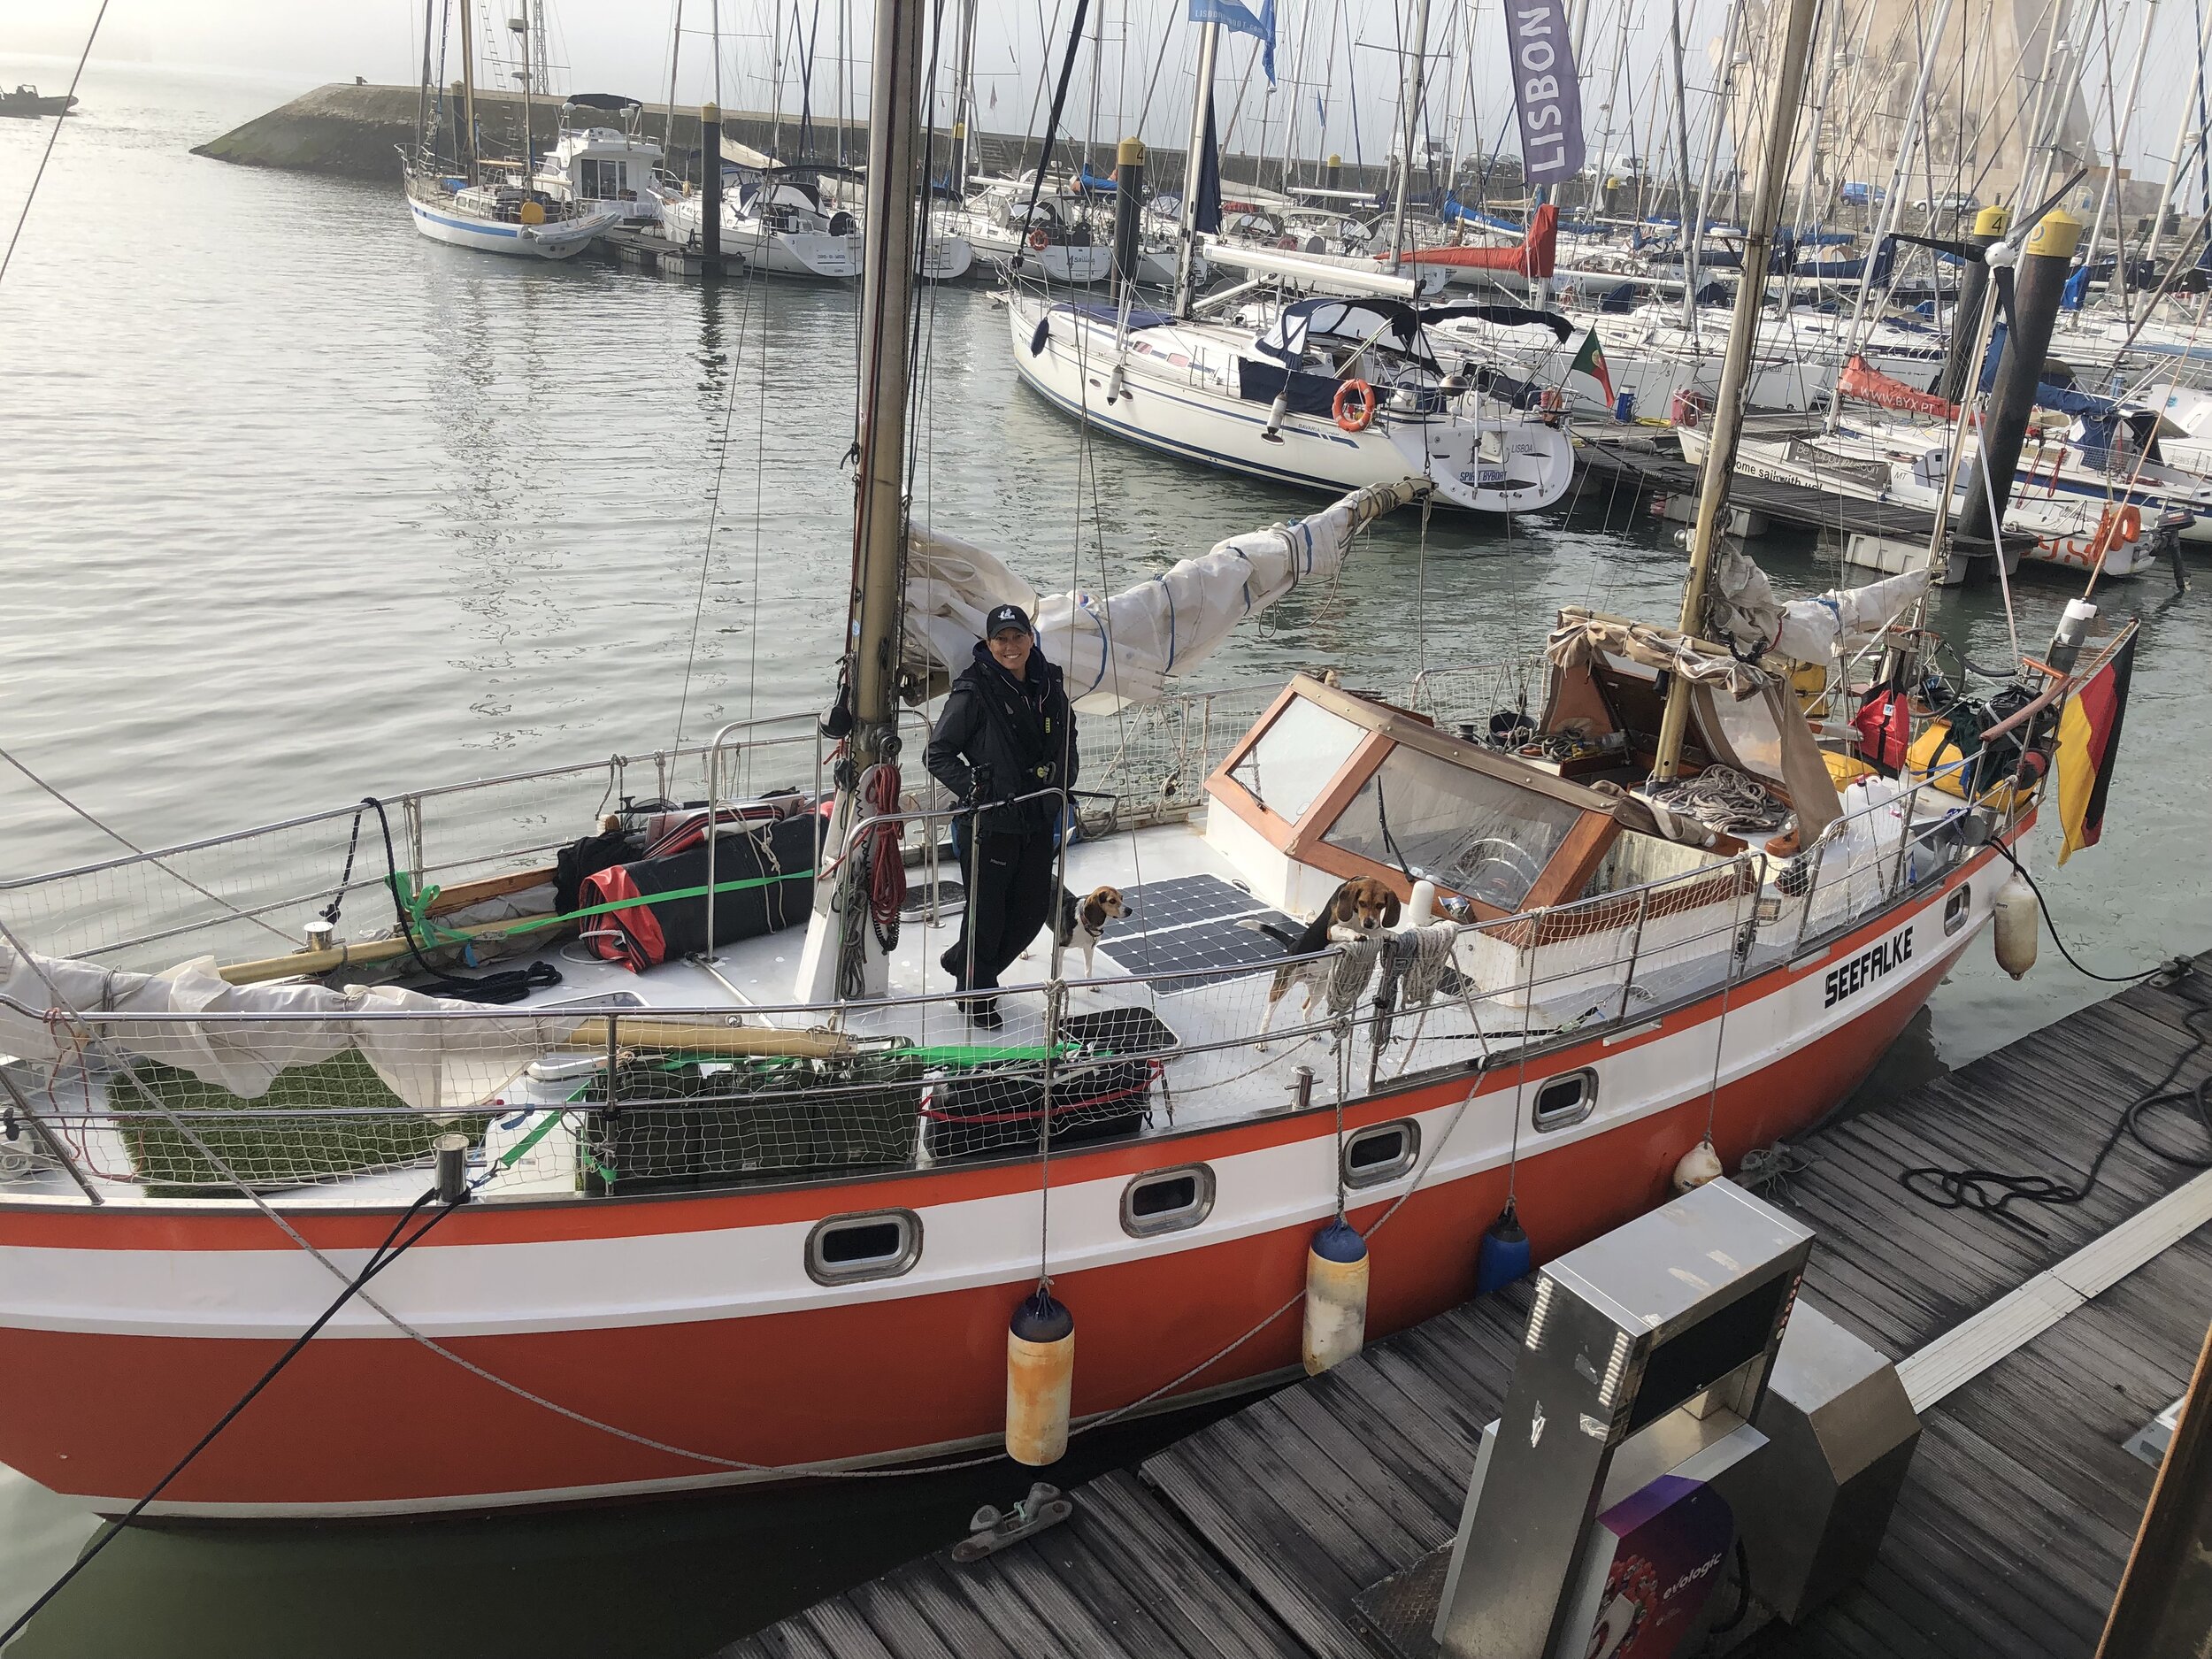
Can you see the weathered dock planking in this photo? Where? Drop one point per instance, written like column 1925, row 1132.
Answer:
column 1252, row 1536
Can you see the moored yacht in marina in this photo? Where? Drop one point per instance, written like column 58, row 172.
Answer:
column 1324, row 393
column 505, row 215
column 744, row 1194
column 779, row 221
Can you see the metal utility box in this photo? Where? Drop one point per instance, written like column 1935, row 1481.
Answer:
column 1643, row 1370
column 1840, row 1434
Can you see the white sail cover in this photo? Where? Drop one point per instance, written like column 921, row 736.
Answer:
column 1122, row 650
column 1804, row 630
column 436, row 1066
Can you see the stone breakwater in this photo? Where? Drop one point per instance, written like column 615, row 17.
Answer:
column 357, row 132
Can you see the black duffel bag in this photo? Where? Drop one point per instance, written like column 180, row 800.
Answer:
column 763, row 876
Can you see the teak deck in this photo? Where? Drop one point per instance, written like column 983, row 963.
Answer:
column 1252, row 1536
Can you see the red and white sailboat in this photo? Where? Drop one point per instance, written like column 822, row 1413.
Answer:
column 721, row 1232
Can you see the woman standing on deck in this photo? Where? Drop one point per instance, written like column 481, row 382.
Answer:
column 1007, row 732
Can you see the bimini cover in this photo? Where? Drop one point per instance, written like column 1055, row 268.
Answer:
column 1381, row 320
column 1122, row 650
column 437, row 1066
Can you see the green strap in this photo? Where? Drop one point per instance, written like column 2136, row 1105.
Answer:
column 513, row 1153
column 417, row 903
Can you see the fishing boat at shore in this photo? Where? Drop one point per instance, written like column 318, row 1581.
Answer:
column 712, row 1180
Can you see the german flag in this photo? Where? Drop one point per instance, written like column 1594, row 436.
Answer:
column 2088, row 742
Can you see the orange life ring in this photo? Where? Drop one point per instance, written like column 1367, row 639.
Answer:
column 2131, row 522
column 1040, row 241
column 1366, row 402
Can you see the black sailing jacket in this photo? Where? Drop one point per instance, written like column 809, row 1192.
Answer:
column 1000, row 737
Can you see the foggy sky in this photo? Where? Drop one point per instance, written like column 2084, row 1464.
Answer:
column 623, row 46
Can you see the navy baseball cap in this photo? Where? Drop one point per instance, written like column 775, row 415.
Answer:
column 1005, row 616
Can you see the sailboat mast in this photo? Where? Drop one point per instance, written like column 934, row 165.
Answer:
column 1743, row 330
column 963, row 101
column 1681, row 116
column 840, row 962
column 2181, row 142
column 426, row 142
column 2123, row 119
column 1413, row 83
column 1193, row 162
column 879, row 520
column 1693, row 229
column 468, row 87
column 529, row 105
column 675, row 56
column 1916, row 113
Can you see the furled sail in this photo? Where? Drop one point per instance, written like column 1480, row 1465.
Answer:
column 238, row 1037
column 1804, row 630
column 1870, row 384
column 1122, row 650
column 1536, row 256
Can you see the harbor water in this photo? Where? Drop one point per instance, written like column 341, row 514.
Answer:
column 297, row 506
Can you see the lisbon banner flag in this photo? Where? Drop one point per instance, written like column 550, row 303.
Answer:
column 2088, row 742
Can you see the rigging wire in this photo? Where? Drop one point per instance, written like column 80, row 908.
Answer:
column 721, row 467
column 385, row 1254
column 155, row 859
column 47, row 153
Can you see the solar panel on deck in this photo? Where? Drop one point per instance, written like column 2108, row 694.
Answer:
column 1157, row 905
column 1195, row 922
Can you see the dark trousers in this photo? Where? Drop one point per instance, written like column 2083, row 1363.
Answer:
column 1009, row 881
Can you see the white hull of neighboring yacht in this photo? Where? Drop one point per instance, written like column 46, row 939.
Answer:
column 1175, row 395
column 2063, row 522
column 815, row 254
column 1070, row 264
column 946, row 258
column 1793, row 369
column 562, row 239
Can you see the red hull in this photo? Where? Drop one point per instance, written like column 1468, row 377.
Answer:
column 380, row 1423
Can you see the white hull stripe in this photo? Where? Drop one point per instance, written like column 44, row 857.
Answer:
column 453, row 1291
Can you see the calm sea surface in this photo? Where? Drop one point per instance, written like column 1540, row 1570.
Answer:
column 295, row 506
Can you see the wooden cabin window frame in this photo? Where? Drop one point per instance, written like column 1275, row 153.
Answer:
column 1563, row 878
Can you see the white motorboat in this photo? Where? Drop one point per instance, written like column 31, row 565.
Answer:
column 1326, row 394
column 612, row 166
column 781, row 224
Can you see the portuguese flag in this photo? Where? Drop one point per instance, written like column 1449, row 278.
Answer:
column 2088, row 742
column 1590, row 360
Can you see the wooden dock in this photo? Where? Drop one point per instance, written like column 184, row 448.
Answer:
column 648, row 250
column 1649, row 460
column 2032, row 1354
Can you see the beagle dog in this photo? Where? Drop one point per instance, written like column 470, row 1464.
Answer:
column 1360, row 908
column 1081, row 923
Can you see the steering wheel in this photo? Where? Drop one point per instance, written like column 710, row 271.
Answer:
column 1485, row 868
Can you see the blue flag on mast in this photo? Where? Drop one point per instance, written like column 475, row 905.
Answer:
column 1237, row 20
